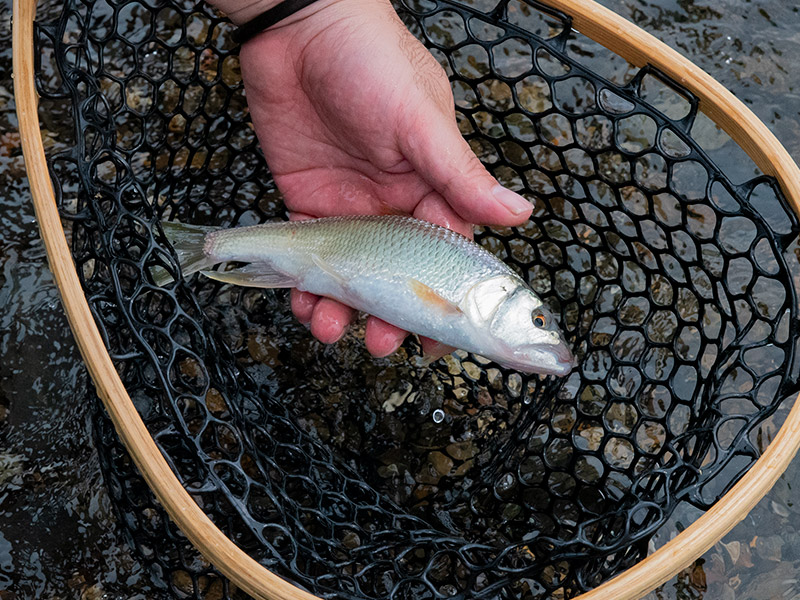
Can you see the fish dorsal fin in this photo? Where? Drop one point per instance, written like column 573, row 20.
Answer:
column 432, row 298
column 254, row 275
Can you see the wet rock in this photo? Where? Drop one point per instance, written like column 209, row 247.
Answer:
column 351, row 539
column 734, row 550
column 94, row 592
column 182, row 581
column 11, row 467
column 263, row 350
column 441, row 463
column 779, row 508
column 398, row 398
column 697, row 576
column 722, row 592
column 215, row 591
column 464, row 468
column 769, row 547
column 423, row 491
column 76, row 582
column 387, row 471
column 462, row 450
column 777, row 583
column 745, row 560
column 715, row 570
column 472, row 370
column 484, row 397
column 215, row 402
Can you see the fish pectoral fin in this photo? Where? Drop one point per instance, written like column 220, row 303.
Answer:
column 432, row 298
column 254, row 275
column 327, row 268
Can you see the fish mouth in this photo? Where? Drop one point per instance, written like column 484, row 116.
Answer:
column 560, row 368
column 545, row 360
column 565, row 356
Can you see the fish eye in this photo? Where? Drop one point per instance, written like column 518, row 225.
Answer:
column 539, row 320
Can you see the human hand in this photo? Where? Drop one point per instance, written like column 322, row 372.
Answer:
column 355, row 116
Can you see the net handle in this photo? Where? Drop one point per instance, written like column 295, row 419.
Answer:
column 597, row 23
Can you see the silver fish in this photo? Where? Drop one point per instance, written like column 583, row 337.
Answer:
column 416, row 275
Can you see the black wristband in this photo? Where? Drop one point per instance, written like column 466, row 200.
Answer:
column 267, row 19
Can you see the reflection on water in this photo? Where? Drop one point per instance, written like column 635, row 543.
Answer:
column 58, row 534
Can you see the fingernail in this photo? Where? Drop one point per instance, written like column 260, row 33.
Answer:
column 511, row 200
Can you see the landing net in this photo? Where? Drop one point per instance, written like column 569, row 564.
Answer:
column 668, row 270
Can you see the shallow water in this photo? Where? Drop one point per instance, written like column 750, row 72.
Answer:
column 58, row 533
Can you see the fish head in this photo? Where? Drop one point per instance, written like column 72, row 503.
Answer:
column 524, row 333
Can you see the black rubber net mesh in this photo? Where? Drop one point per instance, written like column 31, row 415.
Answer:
column 356, row 477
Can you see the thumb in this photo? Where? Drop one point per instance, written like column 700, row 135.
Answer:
column 434, row 147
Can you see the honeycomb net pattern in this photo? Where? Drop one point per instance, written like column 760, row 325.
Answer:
column 669, row 275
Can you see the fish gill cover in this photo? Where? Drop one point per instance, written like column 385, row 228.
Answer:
column 668, row 273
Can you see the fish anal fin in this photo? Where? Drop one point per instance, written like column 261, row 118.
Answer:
column 254, row 275
column 431, row 298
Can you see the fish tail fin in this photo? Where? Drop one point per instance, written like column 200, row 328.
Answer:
column 188, row 241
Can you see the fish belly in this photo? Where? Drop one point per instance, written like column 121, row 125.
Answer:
column 395, row 302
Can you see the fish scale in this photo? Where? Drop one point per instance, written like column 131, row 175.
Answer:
column 387, row 247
